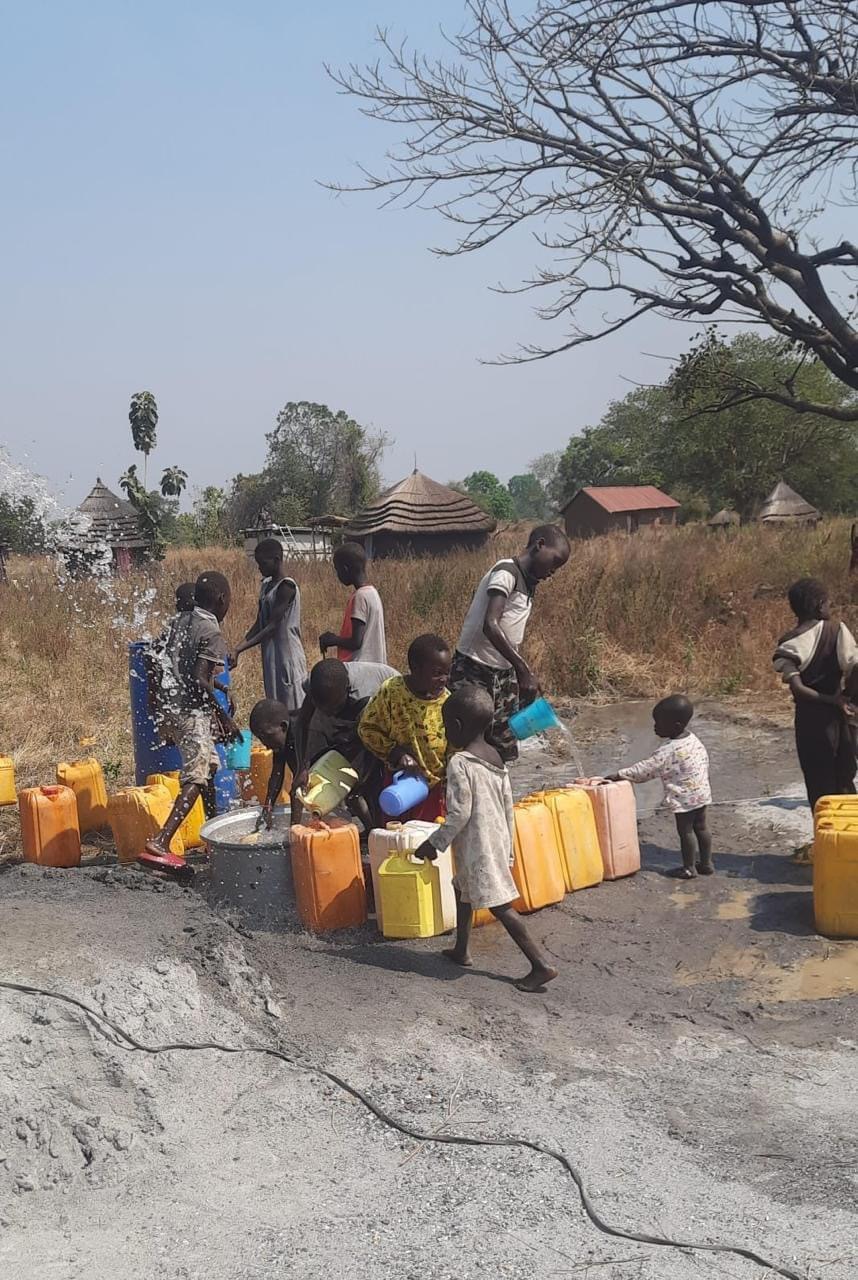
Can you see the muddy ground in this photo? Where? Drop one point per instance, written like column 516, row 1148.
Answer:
column 696, row 1059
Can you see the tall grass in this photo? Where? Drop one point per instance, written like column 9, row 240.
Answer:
column 676, row 609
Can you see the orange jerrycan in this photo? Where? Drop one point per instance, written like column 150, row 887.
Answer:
column 193, row 824
column 8, row 794
column 136, row 814
column 261, row 764
column 329, row 886
column 617, row 825
column 577, row 838
column 86, row 779
column 49, row 831
column 835, row 876
column 537, row 870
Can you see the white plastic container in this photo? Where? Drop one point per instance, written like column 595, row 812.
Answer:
column 399, row 838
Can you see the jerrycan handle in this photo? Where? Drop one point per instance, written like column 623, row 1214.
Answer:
column 51, row 793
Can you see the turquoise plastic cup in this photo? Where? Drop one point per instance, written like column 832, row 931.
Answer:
column 238, row 753
column 536, row 718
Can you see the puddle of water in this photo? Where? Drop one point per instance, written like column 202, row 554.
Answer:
column 683, row 897
column 819, row 977
column 736, row 907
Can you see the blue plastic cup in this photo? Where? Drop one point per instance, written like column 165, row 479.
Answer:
column 406, row 792
column 536, row 718
column 238, row 753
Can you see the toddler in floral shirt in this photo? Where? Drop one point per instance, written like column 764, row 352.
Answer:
column 682, row 764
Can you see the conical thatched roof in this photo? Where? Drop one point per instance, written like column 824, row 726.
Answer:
column 112, row 519
column 783, row 503
column 418, row 505
column 723, row 518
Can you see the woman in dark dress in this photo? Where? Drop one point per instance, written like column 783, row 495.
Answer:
column 814, row 659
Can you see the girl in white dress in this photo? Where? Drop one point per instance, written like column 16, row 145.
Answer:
column 479, row 825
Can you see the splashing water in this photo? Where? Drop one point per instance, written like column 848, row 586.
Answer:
column 78, row 554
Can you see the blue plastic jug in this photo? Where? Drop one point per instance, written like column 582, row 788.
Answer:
column 406, row 792
column 238, row 753
column 536, row 718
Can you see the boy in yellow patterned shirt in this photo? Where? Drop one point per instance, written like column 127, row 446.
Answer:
column 403, row 725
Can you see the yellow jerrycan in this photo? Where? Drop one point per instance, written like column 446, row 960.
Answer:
column 409, row 897
column 8, row 794
column 537, row 869
column 261, row 764
column 835, row 875
column 136, row 814
column 86, row 779
column 193, row 824
column 577, row 837
column 332, row 779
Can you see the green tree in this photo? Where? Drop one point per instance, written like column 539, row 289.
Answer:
column 143, row 416
column 545, row 468
column 529, row 498
column 319, row 462
column 488, row 492
column 21, row 527
column 173, row 482
column 673, row 437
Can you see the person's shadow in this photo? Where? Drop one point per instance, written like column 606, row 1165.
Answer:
column 397, row 958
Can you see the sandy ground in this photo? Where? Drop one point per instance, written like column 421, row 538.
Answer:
column 696, row 1060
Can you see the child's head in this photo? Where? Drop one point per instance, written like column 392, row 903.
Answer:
column 467, row 714
column 350, row 563
column 672, row 715
column 429, row 661
column 269, row 556
column 269, row 720
column 329, row 685
column 211, row 592
column 185, row 597
column 548, row 550
column 808, row 599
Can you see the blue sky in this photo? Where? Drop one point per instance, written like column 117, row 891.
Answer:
column 164, row 229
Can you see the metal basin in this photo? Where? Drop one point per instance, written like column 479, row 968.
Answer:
column 255, row 879
column 225, row 832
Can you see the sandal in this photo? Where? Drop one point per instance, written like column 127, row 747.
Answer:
column 681, row 873
column 705, row 869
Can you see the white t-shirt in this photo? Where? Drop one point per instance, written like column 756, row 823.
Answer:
column 365, row 605
column 366, row 678
column 682, row 764
column 507, row 578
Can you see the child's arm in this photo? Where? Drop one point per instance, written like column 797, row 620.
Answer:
column 256, row 634
column 645, row 770
column 204, row 676
column 528, row 685
column 330, row 639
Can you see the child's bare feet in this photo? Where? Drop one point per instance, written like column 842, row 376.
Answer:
column 705, row 869
column 538, row 977
column 458, row 957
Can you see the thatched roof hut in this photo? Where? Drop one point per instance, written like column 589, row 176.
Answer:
column 785, row 506
column 116, row 524
column 724, row 519
column 418, row 516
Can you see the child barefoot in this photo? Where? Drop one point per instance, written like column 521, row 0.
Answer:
column 480, row 822
column 682, row 764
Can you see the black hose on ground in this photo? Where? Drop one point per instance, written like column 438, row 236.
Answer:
column 122, row 1040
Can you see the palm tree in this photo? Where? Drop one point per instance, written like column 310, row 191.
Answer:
column 173, row 481
column 143, row 416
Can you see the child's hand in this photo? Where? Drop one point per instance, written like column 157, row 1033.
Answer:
column 426, row 851
column 328, row 640
column 401, row 758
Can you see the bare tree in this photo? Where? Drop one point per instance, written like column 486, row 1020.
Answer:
column 670, row 158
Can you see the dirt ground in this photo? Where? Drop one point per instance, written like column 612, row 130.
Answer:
column 696, row 1060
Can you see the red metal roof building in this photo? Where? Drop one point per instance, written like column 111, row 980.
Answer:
column 617, row 509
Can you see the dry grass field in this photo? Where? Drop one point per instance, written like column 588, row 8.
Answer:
column 680, row 609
